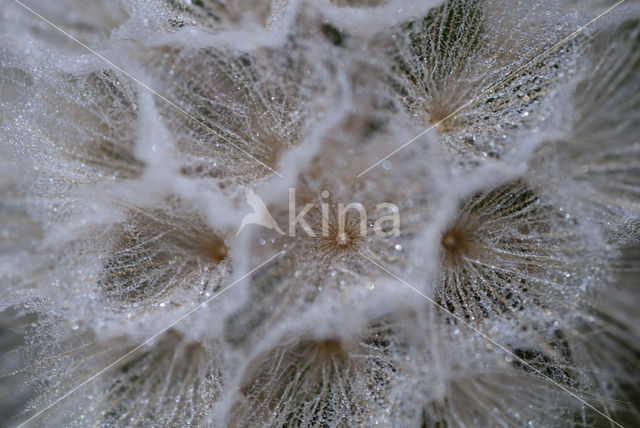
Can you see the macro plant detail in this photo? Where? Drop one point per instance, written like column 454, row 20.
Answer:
column 460, row 180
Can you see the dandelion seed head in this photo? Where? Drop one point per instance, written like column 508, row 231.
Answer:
column 482, row 275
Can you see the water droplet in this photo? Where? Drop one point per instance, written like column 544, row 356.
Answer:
column 398, row 247
column 386, row 165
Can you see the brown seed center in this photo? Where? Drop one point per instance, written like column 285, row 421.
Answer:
column 451, row 241
column 342, row 239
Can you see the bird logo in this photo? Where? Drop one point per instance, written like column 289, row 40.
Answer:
column 260, row 215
